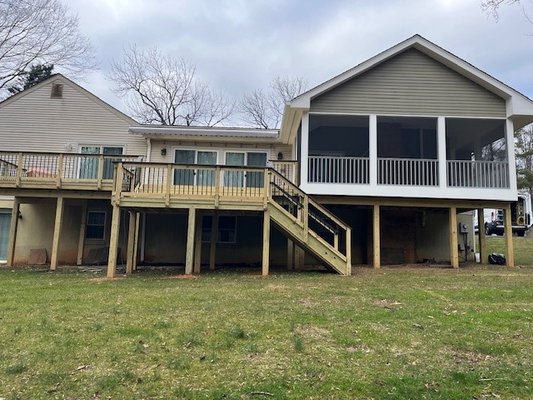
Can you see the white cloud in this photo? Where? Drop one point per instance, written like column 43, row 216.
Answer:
column 240, row 45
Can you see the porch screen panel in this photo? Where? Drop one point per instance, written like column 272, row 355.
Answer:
column 88, row 168
column 206, row 177
column 108, row 163
column 184, row 176
column 5, row 221
column 234, row 178
column 255, row 179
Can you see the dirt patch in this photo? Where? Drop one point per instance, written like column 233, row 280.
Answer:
column 183, row 276
column 469, row 357
column 389, row 304
column 311, row 331
column 307, row 303
column 276, row 287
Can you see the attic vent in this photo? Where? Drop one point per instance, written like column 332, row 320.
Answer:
column 57, row 91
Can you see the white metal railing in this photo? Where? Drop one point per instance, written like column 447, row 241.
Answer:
column 325, row 169
column 478, row 174
column 408, row 171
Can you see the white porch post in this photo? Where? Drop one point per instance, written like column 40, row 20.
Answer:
column 509, row 142
column 373, row 149
column 304, row 149
column 441, row 143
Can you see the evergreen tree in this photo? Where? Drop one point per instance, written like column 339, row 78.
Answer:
column 35, row 75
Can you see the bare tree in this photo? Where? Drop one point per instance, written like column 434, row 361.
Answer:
column 492, row 7
column 40, row 32
column 264, row 109
column 164, row 89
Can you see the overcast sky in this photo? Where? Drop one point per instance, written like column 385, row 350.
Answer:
column 240, row 45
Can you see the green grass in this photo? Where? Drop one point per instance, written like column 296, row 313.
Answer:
column 523, row 248
column 392, row 334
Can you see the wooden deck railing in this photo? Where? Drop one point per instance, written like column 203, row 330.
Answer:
column 58, row 170
column 408, row 172
column 478, row 174
column 287, row 168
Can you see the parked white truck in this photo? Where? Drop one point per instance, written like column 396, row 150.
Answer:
column 521, row 214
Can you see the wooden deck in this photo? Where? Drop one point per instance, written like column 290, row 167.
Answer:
column 198, row 187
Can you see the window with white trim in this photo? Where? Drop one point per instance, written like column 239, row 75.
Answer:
column 95, row 228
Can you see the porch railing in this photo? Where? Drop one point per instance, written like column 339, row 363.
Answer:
column 478, row 174
column 20, row 168
column 325, row 169
column 408, row 171
column 287, row 168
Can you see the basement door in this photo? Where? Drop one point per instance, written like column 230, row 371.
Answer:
column 5, row 222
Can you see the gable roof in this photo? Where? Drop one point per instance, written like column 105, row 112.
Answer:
column 62, row 78
column 517, row 104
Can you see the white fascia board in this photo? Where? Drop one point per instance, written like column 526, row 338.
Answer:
column 391, row 191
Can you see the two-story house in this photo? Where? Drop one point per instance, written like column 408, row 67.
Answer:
column 373, row 166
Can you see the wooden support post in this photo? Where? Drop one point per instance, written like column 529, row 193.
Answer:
column 509, row 256
column 454, row 250
column 136, row 241
column 13, row 228
column 266, row 243
column 113, row 242
column 290, row 254
column 57, row 233
column 81, row 237
column 376, row 237
column 213, row 242
column 59, row 170
column 299, row 261
column 130, row 252
column 100, row 171
column 191, row 224
column 348, row 251
column 198, row 244
column 481, row 233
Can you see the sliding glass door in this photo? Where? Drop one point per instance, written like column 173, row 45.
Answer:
column 192, row 176
column 245, row 159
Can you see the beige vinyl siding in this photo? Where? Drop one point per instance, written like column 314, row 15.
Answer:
column 36, row 122
column 272, row 149
column 411, row 83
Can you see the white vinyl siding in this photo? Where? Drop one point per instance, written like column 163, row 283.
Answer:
column 411, row 83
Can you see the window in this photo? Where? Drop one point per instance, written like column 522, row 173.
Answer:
column 250, row 159
column 89, row 165
column 227, row 229
column 200, row 177
column 95, row 225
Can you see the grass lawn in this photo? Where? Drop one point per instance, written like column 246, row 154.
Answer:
column 391, row 334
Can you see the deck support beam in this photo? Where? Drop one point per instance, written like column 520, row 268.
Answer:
column 266, row 243
column 482, row 238
column 136, row 243
column 57, row 233
column 376, row 236
column 130, row 252
column 508, row 230
column 213, row 242
column 81, row 237
column 290, row 254
column 13, row 228
column 198, row 244
column 113, row 242
column 454, row 245
column 189, row 255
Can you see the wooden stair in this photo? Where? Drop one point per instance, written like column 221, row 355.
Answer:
column 309, row 224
